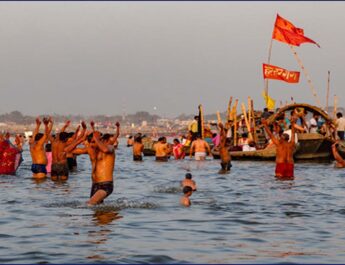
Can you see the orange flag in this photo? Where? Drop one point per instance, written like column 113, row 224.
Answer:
column 277, row 73
column 286, row 32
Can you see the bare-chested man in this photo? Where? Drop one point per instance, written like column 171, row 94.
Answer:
column 37, row 150
column 60, row 168
column 138, row 149
column 224, row 150
column 284, row 152
column 102, row 155
column 340, row 162
column 201, row 149
column 162, row 150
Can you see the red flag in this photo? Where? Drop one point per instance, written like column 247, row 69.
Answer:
column 286, row 32
column 277, row 73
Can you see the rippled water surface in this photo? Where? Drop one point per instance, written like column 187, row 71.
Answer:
column 242, row 217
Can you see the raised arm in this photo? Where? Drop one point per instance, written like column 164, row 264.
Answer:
column 69, row 148
column 270, row 134
column 67, row 123
column 103, row 147
column 37, row 129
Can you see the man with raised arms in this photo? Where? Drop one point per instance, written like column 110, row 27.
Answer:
column 102, row 155
column 284, row 152
column 37, row 150
column 59, row 155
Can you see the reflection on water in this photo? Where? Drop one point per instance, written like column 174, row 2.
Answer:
column 246, row 216
column 104, row 218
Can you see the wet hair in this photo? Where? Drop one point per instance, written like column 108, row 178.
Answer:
column 48, row 147
column 106, row 137
column 89, row 137
column 188, row 176
column 63, row 136
column 187, row 189
column 285, row 136
column 339, row 115
column 38, row 136
column 138, row 139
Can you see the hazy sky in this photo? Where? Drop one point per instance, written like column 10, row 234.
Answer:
column 110, row 57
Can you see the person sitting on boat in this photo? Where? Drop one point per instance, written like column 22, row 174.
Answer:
column 178, row 150
column 289, row 132
column 313, row 123
column 249, row 147
column 284, row 152
column 298, row 128
column 328, row 129
column 340, row 162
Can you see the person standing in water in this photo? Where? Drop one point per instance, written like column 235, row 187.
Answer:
column 37, row 151
column 223, row 150
column 284, row 152
column 138, row 149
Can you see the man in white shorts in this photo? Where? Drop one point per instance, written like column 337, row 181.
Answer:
column 201, row 149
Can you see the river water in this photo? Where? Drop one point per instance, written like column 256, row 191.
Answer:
column 243, row 217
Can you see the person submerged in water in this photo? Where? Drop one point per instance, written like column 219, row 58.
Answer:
column 187, row 192
column 340, row 162
column 284, row 152
column 138, row 149
column 223, row 150
column 188, row 182
column 37, row 150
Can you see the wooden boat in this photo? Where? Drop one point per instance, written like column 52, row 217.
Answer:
column 311, row 146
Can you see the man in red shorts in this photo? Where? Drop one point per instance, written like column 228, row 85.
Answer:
column 284, row 152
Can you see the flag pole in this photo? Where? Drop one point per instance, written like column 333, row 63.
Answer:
column 268, row 62
column 327, row 96
column 306, row 75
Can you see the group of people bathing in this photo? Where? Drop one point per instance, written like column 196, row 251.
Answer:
column 99, row 147
column 64, row 147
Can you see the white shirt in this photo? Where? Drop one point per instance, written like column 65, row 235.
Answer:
column 340, row 124
column 289, row 133
column 314, row 123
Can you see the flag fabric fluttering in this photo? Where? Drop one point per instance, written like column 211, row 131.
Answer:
column 278, row 73
column 285, row 31
column 270, row 102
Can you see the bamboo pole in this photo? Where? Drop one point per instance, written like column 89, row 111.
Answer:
column 201, row 114
column 268, row 61
column 327, row 95
column 249, row 113
column 229, row 109
column 254, row 125
column 335, row 106
column 235, row 122
column 299, row 61
column 246, row 120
